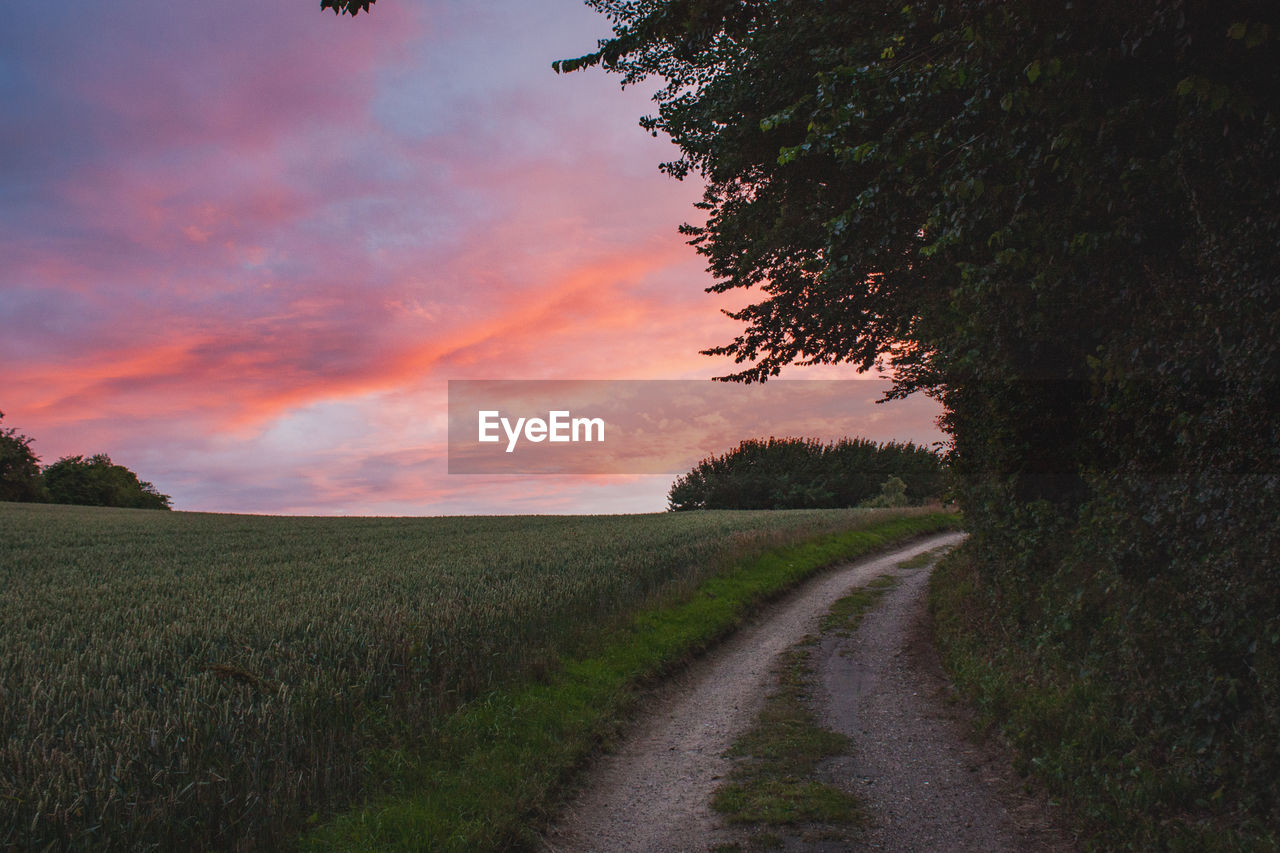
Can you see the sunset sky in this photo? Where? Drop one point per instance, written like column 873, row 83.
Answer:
column 245, row 245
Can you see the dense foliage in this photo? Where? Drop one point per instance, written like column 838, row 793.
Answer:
column 97, row 481
column 19, row 467
column 87, row 481
column 197, row 681
column 796, row 473
column 349, row 7
column 1062, row 219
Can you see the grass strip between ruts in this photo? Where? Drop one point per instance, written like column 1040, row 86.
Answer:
column 773, row 786
column 489, row 778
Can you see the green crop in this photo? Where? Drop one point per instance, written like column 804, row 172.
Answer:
column 186, row 679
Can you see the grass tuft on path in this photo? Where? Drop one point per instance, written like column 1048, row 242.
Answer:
column 772, row 784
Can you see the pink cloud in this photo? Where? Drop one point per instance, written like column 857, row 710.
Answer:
column 224, row 224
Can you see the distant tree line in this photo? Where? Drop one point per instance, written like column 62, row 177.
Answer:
column 88, row 481
column 805, row 473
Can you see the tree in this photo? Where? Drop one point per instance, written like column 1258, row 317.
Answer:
column 1063, row 220
column 349, row 7
column 893, row 492
column 999, row 199
column 796, row 473
column 97, row 481
column 19, row 467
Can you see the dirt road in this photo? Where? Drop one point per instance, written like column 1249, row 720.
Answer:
column 652, row 792
column 927, row 786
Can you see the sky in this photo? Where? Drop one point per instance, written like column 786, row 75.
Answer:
column 245, row 245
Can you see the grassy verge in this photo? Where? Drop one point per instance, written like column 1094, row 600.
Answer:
column 1010, row 694
column 1067, row 725
column 492, row 772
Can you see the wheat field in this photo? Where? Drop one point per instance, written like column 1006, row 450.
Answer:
column 190, row 679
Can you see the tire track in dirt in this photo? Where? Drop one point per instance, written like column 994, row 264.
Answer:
column 652, row 792
column 926, row 786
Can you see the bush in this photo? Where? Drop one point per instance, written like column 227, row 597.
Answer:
column 798, row 473
column 97, row 481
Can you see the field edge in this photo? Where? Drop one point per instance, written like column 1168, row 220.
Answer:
column 492, row 776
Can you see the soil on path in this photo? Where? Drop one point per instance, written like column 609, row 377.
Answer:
column 926, row 786
column 652, row 792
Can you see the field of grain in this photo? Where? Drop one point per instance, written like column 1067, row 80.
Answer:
column 187, row 679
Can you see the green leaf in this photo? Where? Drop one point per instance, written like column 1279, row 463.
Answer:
column 1033, row 71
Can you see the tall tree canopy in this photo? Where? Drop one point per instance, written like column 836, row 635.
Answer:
column 19, row 467
column 1059, row 218
column 1063, row 220
column 973, row 190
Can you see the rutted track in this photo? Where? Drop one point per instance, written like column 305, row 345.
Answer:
column 652, row 793
column 927, row 787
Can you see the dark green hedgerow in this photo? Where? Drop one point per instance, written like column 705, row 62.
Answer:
column 491, row 775
column 1112, row 709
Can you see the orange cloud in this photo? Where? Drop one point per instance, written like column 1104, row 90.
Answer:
column 247, row 257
